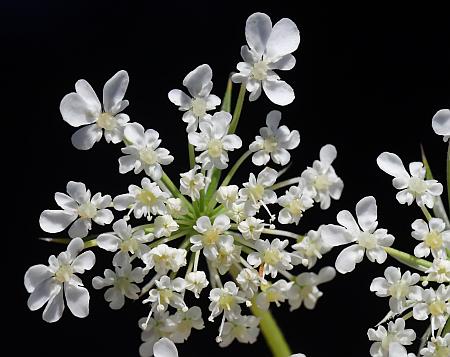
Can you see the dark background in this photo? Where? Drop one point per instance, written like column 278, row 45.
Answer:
column 368, row 79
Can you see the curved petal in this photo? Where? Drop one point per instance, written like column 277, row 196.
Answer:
column 327, row 154
column 334, row 236
column 65, row 202
column 346, row 219
column 197, row 79
column 348, row 258
column 76, row 111
column 222, row 222
column 123, row 202
column 281, row 156
column 54, row 221
column 135, row 133
column 260, row 158
column 35, row 275
column 108, row 242
column 285, row 63
column 441, row 122
column 84, row 89
column 86, row 137
column 80, row 228
column 366, row 212
column 391, row 164
column 55, row 307
column 42, row 293
column 231, row 142
column 284, row 39
column 103, row 216
column 126, row 163
column 279, row 92
column 77, row 298
column 77, row 190
column 257, row 32
column 165, row 348
column 114, row 90
column 75, row 247
column 84, row 261
column 179, row 98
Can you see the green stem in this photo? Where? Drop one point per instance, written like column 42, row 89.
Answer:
column 177, row 235
column 285, row 183
column 448, row 176
column 446, row 328
column 237, row 109
column 271, row 332
column 226, row 103
column 235, row 167
column 174, row 190
column 191, row 156
column 408, row 259
column 426, row 213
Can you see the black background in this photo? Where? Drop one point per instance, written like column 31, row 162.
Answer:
column 368, row 79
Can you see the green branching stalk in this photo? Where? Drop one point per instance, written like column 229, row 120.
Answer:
column 237, row 109
column 235, row 167
column 408, row 259
column 174, row 190
column 226, row 103
column 191, row 156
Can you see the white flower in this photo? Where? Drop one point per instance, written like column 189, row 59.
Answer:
column 82, row 108
column 154, row 329
column 276, row 293
column 441, row 123
column 440, row 270
column 198, row 82
column 437, row 347
column 168, row 292
column 78, row 206
column 227, row 254
column 226, row 300
column 244, row 329
column 214, row 141
column 368, row 238
column 143, row 152
column 256, row 191
column 432, row 302
column 270, row 49
column 395, row 335
column 165, row 348
column 321, row 178
column 310, row 248
column 122, row 281
column 164, row 226
column 249, row 281
column 305, row 290
column 412, row 186
column 395, row 285
column 237, row 212
column 146, row 201
column 124, row 240
column 191, row 183
column 227, row 195
column 251, row 228
column 433, row 235
column 296, row 200
column 209, row 235
column 47, row 283
column 274, row 142
column 164, row 258
column 180, row 325
column 176, row 207
column 196, row 281
column 272, row 255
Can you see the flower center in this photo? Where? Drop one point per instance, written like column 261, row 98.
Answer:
column 433, row 240
column 165, row 295
column 147, row 198
column 129, row 245
column 257, row 192
column 87, row 210
column 272, row 256
column 210, row 237
column 259, row 71
column 270, row 144
column 226, row 301
column 417, row 185
column 148, row 155
column 122, row 284
column 273, row 295
column 399, row 289
column 106, row 121
column 64, row 273
column 387, row 341
column 296, row 207
column 199, row 107
column 367, row 240
column 215, row 148
column 437, row 307
column 321, row 182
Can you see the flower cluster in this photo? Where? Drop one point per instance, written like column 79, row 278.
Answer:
column 423, row 294
column 204, row 234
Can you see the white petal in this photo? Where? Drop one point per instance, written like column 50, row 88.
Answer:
column 281, row 156
column 441, row 122
column 267, row 177
column 126, row 163
column 346, row 219
column 55, row 307
column 285, row 63
column 347, row 259
column 65, row 202
column 35, row 275
column 77, row 190
column 114, row 90
column 260, row 158
column 366, row 212
column 76, row 111
column 108, row 242
column 257, row 32
column 178, row 97
column 86, row 137
column 84, row 261
column 231, row 142
column 392, row 165
column 123, row 202
column 222, row 222
column 197, row 79
column 103, row 216
column 75, row 247
column 165, row 348
column 333, row 235
column 77, row 299
column 283, row 40
column 80, row 228
column 84, row 89
column 327, row 154
column 42, row 293
column 135, row 133
column 279, row 92
column 54, row 221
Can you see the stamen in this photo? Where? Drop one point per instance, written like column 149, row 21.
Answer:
column 145, row 324
column 219, row 338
